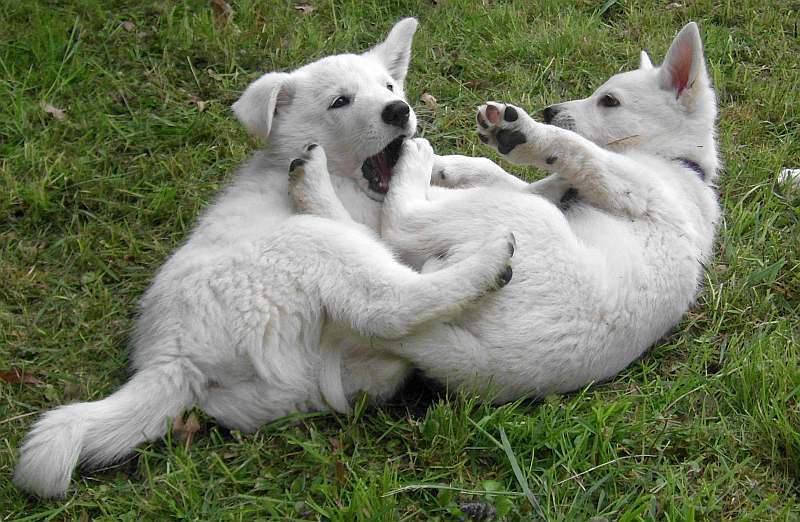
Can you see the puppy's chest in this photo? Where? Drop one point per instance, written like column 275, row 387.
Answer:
column 360, row 207
column 625, row 240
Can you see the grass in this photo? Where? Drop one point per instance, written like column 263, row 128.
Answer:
column 705, row 427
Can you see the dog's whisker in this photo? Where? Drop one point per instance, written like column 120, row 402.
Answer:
column 620, row 140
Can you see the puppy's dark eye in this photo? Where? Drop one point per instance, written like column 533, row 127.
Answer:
column 608, row 101
column 341, row 101
column 390, row 87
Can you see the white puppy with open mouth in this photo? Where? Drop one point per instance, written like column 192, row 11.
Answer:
column 250, row 318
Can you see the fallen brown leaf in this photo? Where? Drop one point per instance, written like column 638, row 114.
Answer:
column 223, row 12
column 341, row 472
column 128, row 25
column 304, row 8
column 17, row 376
column 177, row 424
column 54, row 111
column 200, row 104
column 185, row 430
column 477, row 84
column 192, row 424
column 428, row 100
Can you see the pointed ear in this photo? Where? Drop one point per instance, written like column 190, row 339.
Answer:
column 395, row 51
column 644, row 61
column 258, row 104
column 684, row 63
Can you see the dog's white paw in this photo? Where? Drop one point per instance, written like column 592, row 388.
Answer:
column 309, row 180
column 503, row 127
column 416, row 161
column 439, row 174
column 455, row 172
column 312, row 161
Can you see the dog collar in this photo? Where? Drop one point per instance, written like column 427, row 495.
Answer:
column 693, row 165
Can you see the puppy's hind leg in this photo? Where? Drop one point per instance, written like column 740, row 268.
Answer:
column 310, row 186
column 362, row 285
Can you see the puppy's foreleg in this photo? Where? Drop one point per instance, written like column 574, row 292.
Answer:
column 604, row 178
column 423, row 220
column 363, row 286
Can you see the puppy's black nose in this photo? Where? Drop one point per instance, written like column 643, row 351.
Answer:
column 396, row 113
column 549, row 113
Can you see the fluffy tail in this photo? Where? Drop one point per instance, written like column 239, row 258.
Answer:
column 97, row 433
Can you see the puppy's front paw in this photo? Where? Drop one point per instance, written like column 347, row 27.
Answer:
column 415, row 163
column 309, row 180
column 504, row 128
column 311, row 160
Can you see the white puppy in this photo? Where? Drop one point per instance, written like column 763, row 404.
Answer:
column 611, row 248
column 243, row 318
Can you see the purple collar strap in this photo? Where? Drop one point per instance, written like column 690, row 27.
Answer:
column 693, row 165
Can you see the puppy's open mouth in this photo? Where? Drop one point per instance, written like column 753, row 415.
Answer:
column 377, row 170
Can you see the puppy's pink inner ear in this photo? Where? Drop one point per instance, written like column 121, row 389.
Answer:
column 681, row 66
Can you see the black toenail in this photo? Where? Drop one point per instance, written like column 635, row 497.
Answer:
column 296, row 163
column 510, row 114
column 511, row 249
column 482, row 122
column 311, row 147
column 483, row 138
column 551, row 159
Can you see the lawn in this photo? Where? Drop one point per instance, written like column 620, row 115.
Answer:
column 94, row 198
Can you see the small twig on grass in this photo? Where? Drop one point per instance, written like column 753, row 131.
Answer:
column 417, row 487
column 17, row 417
column 603, row 465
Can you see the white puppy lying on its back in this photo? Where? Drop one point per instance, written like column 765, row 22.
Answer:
column 608, row 260
column 244, row 319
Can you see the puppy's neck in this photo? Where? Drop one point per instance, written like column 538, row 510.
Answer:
column 361, row 207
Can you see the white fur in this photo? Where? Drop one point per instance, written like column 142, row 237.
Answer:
column 594, row 285
column 254, row 317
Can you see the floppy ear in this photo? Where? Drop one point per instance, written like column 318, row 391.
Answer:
column 684, row 63
column 395, row 51
column 644, row 61
column 260, row 101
